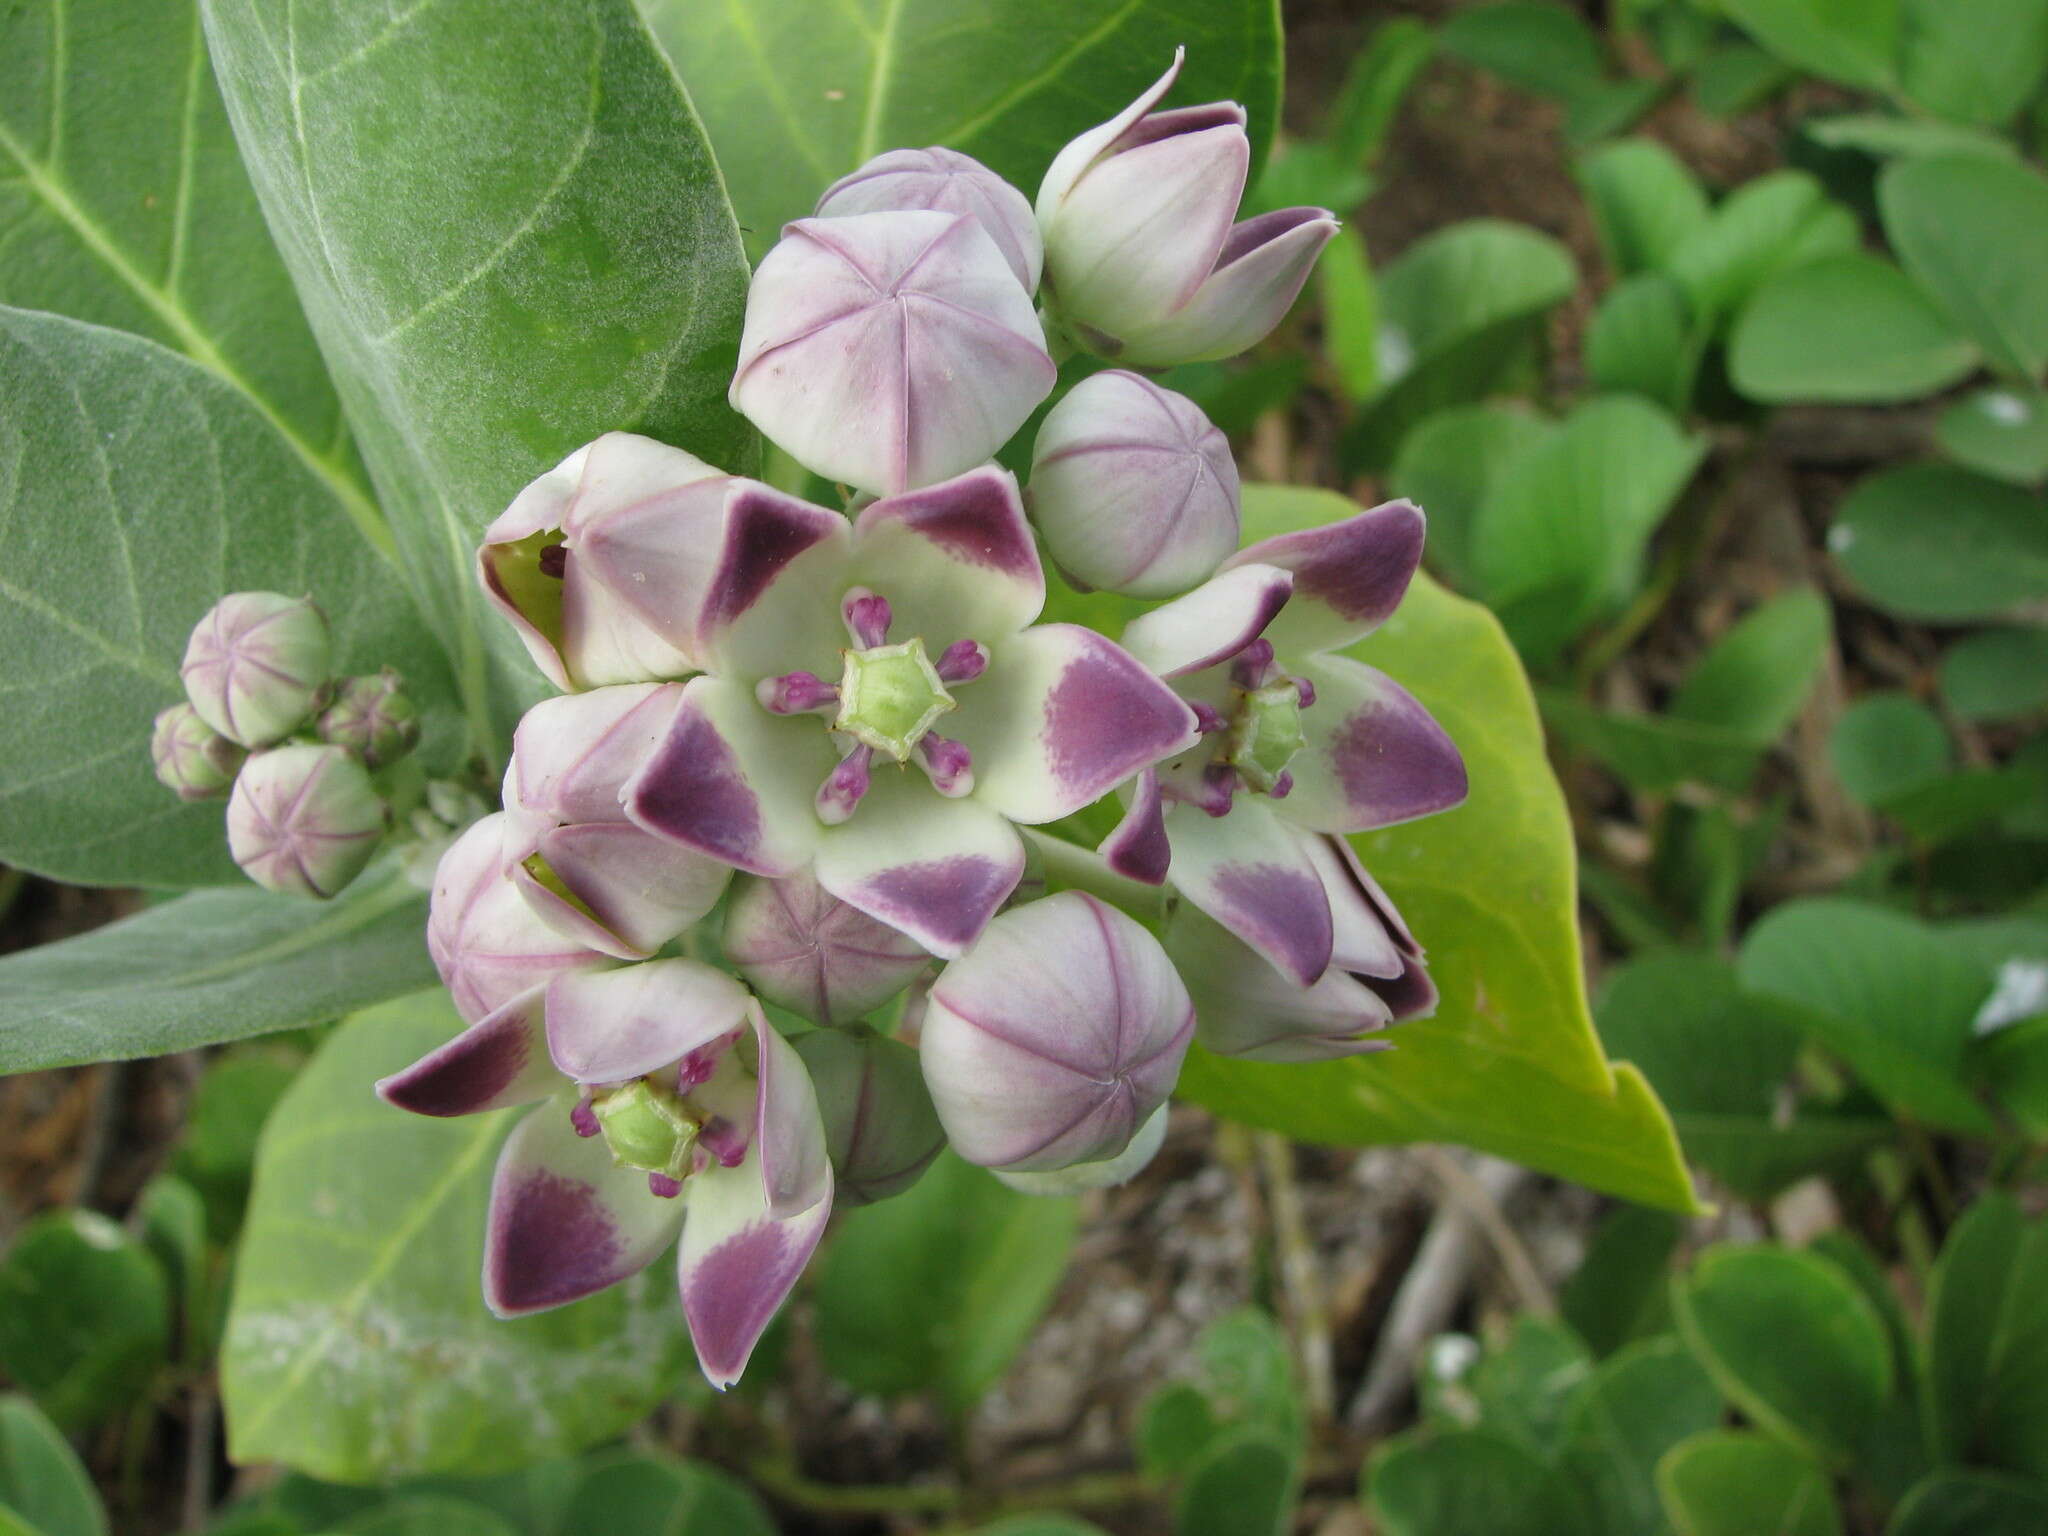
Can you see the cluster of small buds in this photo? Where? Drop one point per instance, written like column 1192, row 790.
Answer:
column 295, row 749
column 777, row 905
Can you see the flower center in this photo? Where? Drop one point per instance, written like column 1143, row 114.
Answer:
column 1264, row 735
column 1255, row 741
column 888, row 699
column 649, row 1127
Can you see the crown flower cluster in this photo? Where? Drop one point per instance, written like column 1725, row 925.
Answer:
column 786, row 892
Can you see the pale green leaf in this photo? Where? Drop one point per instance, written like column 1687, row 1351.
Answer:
column 1999, row 432
column 358, row 1347
column 1974, row 233
column 1853, row 41
column 1887, row 743
column 1763, row 227
column 1882, row 137
column 123, row 202
column 800, row 92
column 1351, row 331
column 1757, row 676
column 1645, row 203
column 510, row 237
column 41, row 1477
column 1977, row 61
column 1510, row 1063
column 1642, row 341
column 1451, row 463
column 208, row 967
column 1727, row 1482
column 1850, row 328
column 1931, row 541
column 136, row 489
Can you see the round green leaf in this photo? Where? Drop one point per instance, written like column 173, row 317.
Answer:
column 1956, row 1502
column 1853, row 41
column 1729, row 1483
column 1934, row 542
column 1509, row 1063
column 1757, row 676
column 1885, row 744
column 1245, row 1483
column 1450, row 464
column 1998, row 674
column 1975, row 63
column 1642, row 341
column 798, row 93
column 41, row 1477
column 1645, row 203
column 358, row 1347
column 1465, row 1483
column 1637, row 1406
column 1850, row 328
column 1769, row 225
column 1999, row 432
column 84, row 1317
column 1739, row 1308
column 1974, row 233
column 1985, row 1373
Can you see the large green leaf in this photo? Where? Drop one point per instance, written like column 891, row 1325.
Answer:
column 1853, row 41
column 1451, row 463
column 1727, row 1482
column 1645, row 203
column 1974, row 232
column 1510, row 1063
column 1763, row 227
column 981, row 1262
column 358, row 1348
column 84, row 1317
column 1985, row 1366
column 1954, row 1502
column 800, row 92
column 1931, row 541
column 1740, row 1306
column 208, row 967
column 510, row 236
column 1886, row 992
column 1636, row 1408
column 126, row 204
column 1849, row 328
column 1976, row 61
column 41, row 1478
column 1466, row 1482
column 135, row 489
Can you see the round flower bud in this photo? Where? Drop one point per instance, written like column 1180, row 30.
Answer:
column 304, row 819
column 880, row 1128
column 1079, row 1178
column 372, row 718
column 1132, row 488
column 804, row 949
column 945, row 181
column 889, row 351
column 191, row 757
column 1052, row 1040
column 257, row 665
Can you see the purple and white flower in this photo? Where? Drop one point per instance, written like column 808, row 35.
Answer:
column 878, row 706
column 1132, row 488
column 889, row 350
column 804, row 949
column 583, row 867
column 1143, row 262
column 1298, row 744
column 944, row 181
column 666, row 1104
column 1056, row 1037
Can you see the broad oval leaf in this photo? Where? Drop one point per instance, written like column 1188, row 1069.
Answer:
column 84, row 1317
column 1738, row 1307
column 1997, row 674
column 41, row 1477
column 800, row 92
column 1245, row 1483
column 1510, row 1063
column 1642, row 340
column 1934, row 542
column 1960, row 1502
column 1757, row 676
column 1766, row 226
column 510, row 237
column 1973, row 232
column 628, row 1493
column 1853, row 41
column 127, row 206
column 1645, row 202
column 1436, row 1483
column 358, row 1348
column 1451, row 462
column 1636, row 1407
column 1984, row 1380
column 209, row 967
column 2000, row 432
column 1886, row 744
column 135, row 489
column 1850, row 328
column 1975, row 63
column 1729, row 1482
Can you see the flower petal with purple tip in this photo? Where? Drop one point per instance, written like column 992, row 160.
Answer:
column 956, row 559
column 1138, row 847
column 932, row 868
column 1258, row 275
column 1062, row 717
column 564, row 1223
column 737, row 1264
column 1252, row 873
column 611, row 1026
column 1349, row 576
column 1373, row 755
column 733, row 781
column 1246, row 1008
column 769, row 603
column 500, row 1060
column 1211, row 624
column 789, row 1132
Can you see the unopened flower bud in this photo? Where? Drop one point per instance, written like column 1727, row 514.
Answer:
column 372, row 718
column 804, row 949
column 1052, row 1040
column 191, row 757
column 945, row 181
column 880, row 1128
column 889, row 350
column 1132, row 488
column 1079, row 1178
column 1142, row 261
column 304, row 819
column 257, row 665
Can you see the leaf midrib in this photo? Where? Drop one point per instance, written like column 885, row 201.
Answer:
column 195, row 342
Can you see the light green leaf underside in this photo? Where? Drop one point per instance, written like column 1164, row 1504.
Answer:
column 1510, row 1064
column 358, row 1347
column 510, row 237
column 124, row 202
column 209, row 967
column 800, row 92
column 135, row 489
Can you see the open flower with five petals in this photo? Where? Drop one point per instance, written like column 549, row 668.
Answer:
column 666, row 1104
column 1300, row 746
column 877, row 704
